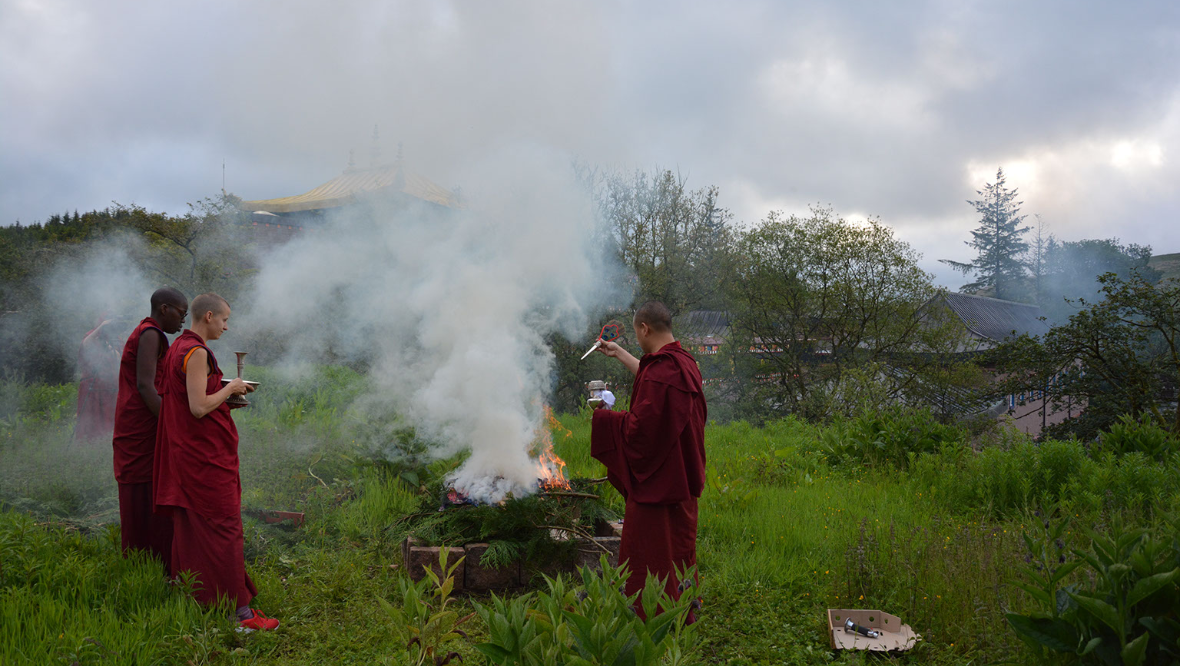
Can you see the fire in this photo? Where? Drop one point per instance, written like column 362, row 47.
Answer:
column 550, row 468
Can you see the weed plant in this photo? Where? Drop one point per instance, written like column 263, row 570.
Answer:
column 1007, row 482
column 1115, row 601
column 926, row 529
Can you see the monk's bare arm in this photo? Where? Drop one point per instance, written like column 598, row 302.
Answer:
column 613, row 350
column 197, row 378
column 146, row 359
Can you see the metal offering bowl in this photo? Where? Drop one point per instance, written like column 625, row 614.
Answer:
column 238, row 399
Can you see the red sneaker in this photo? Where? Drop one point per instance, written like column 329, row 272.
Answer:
column 259, row 622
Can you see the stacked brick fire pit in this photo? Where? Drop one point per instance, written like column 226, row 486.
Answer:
column 472, row 576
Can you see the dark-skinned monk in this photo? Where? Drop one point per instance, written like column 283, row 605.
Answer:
column 196, row 467
column 136, row 417
column 655, row 452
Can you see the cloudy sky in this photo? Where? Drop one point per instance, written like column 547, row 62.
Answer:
column 899, row 110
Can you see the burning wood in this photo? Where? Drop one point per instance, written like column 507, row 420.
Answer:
column 550, row 468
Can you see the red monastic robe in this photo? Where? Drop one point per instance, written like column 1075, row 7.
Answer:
column 655, row 456
column 196, row 480
column 135, row 449
column 97, row 390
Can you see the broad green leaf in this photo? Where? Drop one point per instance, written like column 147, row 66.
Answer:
column 1036, row 593
column 1065, row 603
column 1057, row 635
column 1166, row 630
column 1101, row 610
column 494, row 653
column 1145, row 587
column 1094, row 642
column 1065, row 569
column 1135, row 650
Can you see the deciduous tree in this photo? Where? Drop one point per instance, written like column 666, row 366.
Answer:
column 1119, row 355
column 820, row 306
column 667, row 235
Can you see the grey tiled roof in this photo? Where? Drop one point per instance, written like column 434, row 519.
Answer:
column 995, row 319
column 702, row 325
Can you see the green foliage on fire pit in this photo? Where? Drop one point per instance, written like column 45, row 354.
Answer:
column 538, row 529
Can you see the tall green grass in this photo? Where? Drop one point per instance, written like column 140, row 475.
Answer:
column 794, row 520
column 66, row 597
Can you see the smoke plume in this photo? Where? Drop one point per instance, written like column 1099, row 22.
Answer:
column 452, row 308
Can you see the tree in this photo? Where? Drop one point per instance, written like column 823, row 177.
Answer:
column 1071, row 271
column 998, row 267
column 202, row 250
column 1118, row 356
column 824, row 310
column 1042, row 244
column 667, row 235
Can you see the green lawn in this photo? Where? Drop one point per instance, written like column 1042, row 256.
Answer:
column 785, row 533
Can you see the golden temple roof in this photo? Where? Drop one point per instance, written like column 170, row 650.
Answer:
column 354, row 184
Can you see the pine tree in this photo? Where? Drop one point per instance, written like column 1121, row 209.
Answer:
column 999, row 241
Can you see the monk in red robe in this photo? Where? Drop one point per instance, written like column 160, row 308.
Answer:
column 655, row 453
column 136, row 412
column 196, row 467
column 98, row 386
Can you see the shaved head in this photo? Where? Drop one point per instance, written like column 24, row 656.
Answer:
column 656, row 315
column 168, row 296
column 206, row 303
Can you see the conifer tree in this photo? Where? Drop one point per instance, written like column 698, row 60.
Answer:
column 999, row 241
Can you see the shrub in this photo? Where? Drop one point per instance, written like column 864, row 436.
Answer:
column 1002, row 482
column 1145, row 436
column 592, row 625
column 890, row 437
column 1123, row 610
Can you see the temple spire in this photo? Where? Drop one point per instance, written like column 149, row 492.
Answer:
column 375, row 155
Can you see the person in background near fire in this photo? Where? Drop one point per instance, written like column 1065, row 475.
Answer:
column 136, row 415
column 655, row 452
column 196, row 467
column 98, row 365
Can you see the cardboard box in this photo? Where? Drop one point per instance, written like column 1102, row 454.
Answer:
column 894, row 634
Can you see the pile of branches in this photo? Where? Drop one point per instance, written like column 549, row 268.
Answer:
column 540, row 528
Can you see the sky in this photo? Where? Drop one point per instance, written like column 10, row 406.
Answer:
column 898, row 110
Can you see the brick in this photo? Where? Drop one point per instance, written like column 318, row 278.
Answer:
column 480, row 577
column 417, row 558
column 589, row 554
column 612, row 529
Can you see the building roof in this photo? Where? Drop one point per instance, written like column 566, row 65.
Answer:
column 355, row 184
column 997, row 320
column 705, row 326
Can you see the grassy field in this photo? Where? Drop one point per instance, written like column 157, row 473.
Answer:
column 795, row 519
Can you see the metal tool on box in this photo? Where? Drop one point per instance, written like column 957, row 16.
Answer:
column 851, row 627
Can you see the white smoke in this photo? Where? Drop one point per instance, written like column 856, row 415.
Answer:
column 454, row 307
column 100, row 281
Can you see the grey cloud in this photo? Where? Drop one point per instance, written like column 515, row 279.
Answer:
column 878, row 108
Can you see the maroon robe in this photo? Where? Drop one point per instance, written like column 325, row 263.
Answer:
column 134, row 446
column 196, row 481
column 97, row 388
column 655, row 456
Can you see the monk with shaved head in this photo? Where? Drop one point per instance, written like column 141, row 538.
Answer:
column 137, row 409
column 655, row 452
column 196, row 471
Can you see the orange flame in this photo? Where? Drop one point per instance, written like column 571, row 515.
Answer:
column 550, row 468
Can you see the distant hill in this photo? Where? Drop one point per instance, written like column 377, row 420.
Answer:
column 1168, row 264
